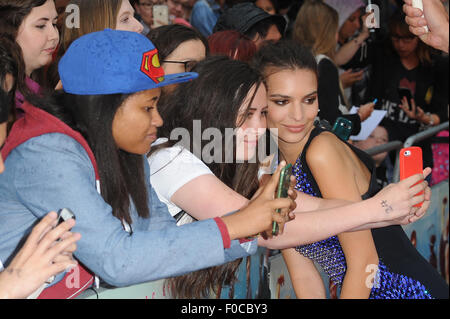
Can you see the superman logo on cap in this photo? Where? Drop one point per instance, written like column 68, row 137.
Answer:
column 152, row 67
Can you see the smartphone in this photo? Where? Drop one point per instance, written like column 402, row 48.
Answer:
column 65, row 214
column 343, row 128
column 282, row 191
column 411, row 163
column 417, row 4
column 402, row 92
column 160, row 15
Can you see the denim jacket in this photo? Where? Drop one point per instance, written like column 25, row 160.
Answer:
column 53, row 171
column 204, row 16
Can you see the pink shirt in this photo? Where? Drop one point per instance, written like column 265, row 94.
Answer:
column 34, row 88
column 182, row 22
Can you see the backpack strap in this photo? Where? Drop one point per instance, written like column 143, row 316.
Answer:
column 37, row 122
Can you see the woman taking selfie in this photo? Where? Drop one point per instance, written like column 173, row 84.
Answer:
column 380, row 263
column 221, row 179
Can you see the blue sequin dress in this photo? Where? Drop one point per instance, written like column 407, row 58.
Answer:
column 402, row 272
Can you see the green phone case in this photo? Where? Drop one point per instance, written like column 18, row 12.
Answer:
column 282, row 191
column 343, row 128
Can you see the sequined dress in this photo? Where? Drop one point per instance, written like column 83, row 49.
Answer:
column 402, row 272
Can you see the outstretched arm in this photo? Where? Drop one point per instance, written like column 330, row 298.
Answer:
column 316, row 218
column 207, row 197
column 307, row 203
column 312, row 226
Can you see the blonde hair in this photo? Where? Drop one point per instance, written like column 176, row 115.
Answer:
column 95, row 15
column 316, row 27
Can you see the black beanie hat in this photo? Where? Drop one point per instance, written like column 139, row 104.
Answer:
column 244, row 16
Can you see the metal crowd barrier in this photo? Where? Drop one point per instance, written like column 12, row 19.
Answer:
column 391, row 146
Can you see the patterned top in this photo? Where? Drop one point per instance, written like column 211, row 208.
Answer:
column 328, row 253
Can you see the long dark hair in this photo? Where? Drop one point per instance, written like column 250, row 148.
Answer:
column 284, row 55
column 167, row 38
column 12, row 14
column 215, row 98
column 11, row 63
column 121, row 173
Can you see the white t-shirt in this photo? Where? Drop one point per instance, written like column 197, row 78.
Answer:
column 170, row 169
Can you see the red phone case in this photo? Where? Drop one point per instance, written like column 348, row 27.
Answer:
column 411, row 164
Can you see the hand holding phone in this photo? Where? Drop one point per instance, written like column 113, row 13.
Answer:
column 411, row 163
column 160, row 15
column 419, row 5
column 350, row 77
column 282, row 190
column 405, row 93
column 64, row 214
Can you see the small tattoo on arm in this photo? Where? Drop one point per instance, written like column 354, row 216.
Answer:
column 386, row 206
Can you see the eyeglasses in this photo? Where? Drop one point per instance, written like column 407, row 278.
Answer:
column 185, row 5
column 149, row 5
column 188, row 65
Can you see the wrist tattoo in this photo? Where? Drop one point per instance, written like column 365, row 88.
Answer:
column 387, row 208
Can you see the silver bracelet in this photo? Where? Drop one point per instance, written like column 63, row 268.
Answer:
column 424, row 126
column 431, row 123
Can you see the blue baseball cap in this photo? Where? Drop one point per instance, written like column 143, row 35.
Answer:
column 111, row 62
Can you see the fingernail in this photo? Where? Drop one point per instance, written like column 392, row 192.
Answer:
column 52, row 215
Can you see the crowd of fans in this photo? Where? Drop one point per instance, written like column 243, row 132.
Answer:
column 82, row 105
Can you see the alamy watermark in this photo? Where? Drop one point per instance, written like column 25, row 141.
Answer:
column 229, row 145
column 73, row 16
column 372, row 21
column 373, row 279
